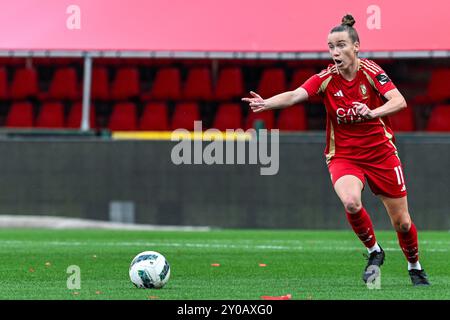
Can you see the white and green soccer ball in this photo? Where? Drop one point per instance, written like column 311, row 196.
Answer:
column 149, row 269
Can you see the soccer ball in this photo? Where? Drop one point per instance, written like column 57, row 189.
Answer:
column 149, row 269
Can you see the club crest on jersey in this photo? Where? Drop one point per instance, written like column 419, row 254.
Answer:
column 383, row 78
column 363, row 89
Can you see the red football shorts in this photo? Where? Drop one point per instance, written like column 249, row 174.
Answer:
column 385, row 178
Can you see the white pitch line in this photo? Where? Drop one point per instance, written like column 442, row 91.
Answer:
column 294, row 247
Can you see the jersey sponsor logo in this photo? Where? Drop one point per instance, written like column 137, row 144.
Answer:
column 348, row 116
column 383, row 78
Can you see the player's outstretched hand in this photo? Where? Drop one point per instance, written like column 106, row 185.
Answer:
column 256, row 103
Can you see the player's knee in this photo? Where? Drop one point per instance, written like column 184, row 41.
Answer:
column 352, row 204
column 402, row 225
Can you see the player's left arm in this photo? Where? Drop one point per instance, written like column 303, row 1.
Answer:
column 395, row 103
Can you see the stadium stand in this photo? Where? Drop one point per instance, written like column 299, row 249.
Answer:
column 74, row 117
column 123, row 117
column 158, row 87
column 292, row 119
column 228, row 116
column 184, row 115
column 403, row 121
column 438, row 89
column 166, row 86
column 230, row 84
column 20, row 115
column 273, row 81
column 3, row 84
column 125, row 84
column 100, row 84
column 51, row 115
column 439, row 120
column 154, row 117
column 198, row 85
column 300, row 76
column 266, row 117
column 24, row 84
column 63, row 86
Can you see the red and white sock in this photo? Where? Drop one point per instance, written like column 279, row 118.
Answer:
column 410, row 246
column 362, row 226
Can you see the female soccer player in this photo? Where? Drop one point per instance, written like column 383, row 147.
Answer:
column 360, row 142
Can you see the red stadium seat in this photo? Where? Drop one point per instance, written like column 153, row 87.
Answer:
column 228, row 116
column 20, row 115
column 438, row 89
column 272, row 82
column 125, row 84
column 267, row 117
column 198, row 84
column 292, row 119
column 51, row 115
column 154, row 117
column 166, row 85
column 64, row 85
column 3, row 84
column 403, row 120
column 184, row 115
column 439, row 120
column 123, row 117
column 300, row 76
column 24, row 84
column 439, row 85
column 229, row 84
column 75, row 114
column 100, row 84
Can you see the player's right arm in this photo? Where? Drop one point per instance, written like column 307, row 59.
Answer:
column 311, row 87
column 282, row 100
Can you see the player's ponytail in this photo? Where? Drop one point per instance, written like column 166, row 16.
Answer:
column 347, row 25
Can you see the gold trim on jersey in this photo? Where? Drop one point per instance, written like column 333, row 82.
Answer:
column 331, row 144
column 324, row 85
column 389, row 136
column 370, row 79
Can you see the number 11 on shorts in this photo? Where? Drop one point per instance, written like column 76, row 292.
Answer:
column 399, row 174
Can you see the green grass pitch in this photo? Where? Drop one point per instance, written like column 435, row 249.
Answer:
column 306, row 264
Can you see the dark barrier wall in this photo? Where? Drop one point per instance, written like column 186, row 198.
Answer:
column 81, row 178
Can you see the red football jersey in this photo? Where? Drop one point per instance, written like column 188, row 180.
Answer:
column 348, row 134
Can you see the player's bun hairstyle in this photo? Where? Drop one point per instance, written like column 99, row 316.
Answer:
column 347, row 25
column 348, row 20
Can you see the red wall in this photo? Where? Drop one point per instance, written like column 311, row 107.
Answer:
column 220, row 25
